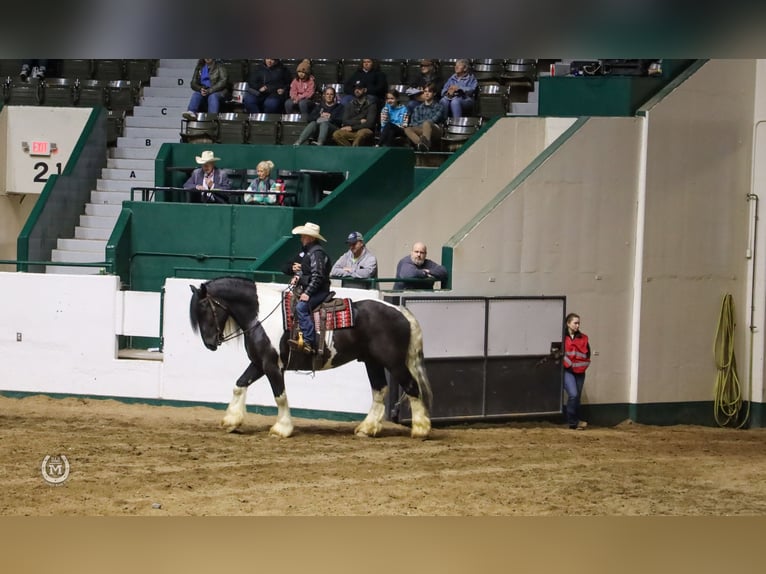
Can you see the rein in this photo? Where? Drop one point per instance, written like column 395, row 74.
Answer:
column 213, row 302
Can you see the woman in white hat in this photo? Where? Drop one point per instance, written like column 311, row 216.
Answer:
column 209, row 179
column 313, row 276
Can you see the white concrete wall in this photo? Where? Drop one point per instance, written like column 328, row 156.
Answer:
column 62, row 126
column 69, row 323
column 569, row 229
column 697, row 179
column 461, row 190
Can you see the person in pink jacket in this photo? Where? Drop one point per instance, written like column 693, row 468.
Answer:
column 302, row 90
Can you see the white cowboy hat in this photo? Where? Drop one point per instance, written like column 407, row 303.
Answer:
column 310, row 229
column 207, row 156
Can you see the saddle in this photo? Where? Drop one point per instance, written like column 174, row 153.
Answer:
column 329, row 315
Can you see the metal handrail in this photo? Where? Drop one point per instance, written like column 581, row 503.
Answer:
column 106, row 264
column 147, row 193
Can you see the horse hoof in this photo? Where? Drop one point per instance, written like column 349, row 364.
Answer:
column 281, row 431
column 368, row 430
column 230, row 424
column 420, row 431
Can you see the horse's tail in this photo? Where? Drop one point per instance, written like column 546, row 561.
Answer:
column 415, row 359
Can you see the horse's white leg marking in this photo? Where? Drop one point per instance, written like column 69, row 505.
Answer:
column 421, row 424
column 235, row 413
column 284, row 425
column 372, row 424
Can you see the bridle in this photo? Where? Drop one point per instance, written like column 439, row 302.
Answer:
column 220, row 337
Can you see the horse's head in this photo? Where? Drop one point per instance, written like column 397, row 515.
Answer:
column 207, row 315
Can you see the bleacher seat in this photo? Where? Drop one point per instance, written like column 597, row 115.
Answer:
column 492, row 100
column 76, row 69
column 291, row 126
column 203, row 129
column 232, row 128
column 325, row 71
column 89, row 93
column 235, row 69
column 108, row 70
column 525, row 68
column 59, row 91
column 395, row 70
column 263, row 129
column 291, row 65
column 337, row 87
column 31, row 93
column 238, row 93
column 121, row 95
column 458, row 131
column 140, row 70
column 488, row 69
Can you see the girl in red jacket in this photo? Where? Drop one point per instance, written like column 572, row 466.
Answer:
column 302, row 90
column 576, row 361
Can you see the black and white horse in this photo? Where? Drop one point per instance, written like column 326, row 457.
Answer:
column 384, row 337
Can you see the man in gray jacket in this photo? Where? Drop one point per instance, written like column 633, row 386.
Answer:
column 356, row 263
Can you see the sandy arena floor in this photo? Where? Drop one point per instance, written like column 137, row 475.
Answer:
column 126, row 458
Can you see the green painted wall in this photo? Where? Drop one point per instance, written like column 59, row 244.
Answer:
column 155, row 240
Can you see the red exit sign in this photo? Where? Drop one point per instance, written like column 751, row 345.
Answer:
column 40, row 148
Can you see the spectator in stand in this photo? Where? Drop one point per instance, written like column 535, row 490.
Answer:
column 427, row 75
column 358, row 120
column 267, row 88
column 425, row 128
column 208, row 178
column 262, row 185
column 302, row 90
column 371, row 78
column 415, row 265
column 323, row 119
column 209, row 83
column 459, row 91
column 33, row 68
column 394, row 117
column 356, row 263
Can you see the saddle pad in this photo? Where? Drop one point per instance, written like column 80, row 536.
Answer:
column 338, row 316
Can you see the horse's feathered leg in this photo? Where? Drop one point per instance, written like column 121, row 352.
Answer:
column 373, row 422
column 275, row 373
column 235, row 412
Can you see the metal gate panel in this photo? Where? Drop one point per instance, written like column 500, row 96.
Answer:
column 456, row 328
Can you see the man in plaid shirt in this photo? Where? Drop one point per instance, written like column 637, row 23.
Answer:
column 425, row 126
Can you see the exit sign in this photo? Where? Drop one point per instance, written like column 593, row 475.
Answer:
column 40, row 148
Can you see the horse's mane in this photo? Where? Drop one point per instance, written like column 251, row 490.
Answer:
column 226, row 288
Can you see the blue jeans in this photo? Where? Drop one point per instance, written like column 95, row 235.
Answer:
column 305, row 320
column 321, row 131
column 263, row 104
column 573, row 383
column 211, row 102
column 457, row 107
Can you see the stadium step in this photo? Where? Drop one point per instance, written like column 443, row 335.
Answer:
column 150, row 111
column 175, row 92
column 524, row 108
column 153, row 133
column 167, row 121
column 154, row 143
column 100, row 233
column 142, row 164
column 76, row 256
column 90, row 245
column 120, row 185
column 109, row 197
column 97, row 221
column 103, row 209
column 65, row 270
column 186, row 64
column 135, row 152
column 130, row 174
column 171, row 81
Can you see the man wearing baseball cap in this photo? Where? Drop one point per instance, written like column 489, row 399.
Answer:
column 356, row 263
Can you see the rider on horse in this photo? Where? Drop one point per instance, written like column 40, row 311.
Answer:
column 312, row 274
